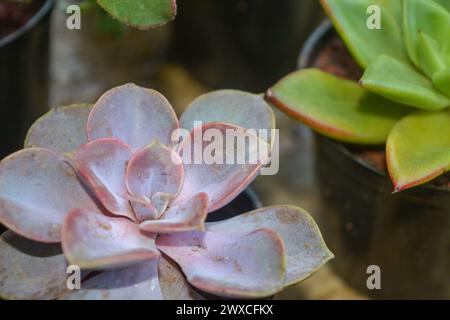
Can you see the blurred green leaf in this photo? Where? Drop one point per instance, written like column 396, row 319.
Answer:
column 350, row 20
column 430, row 57
column 444, row 3
column 400, row 82
column 418, row 148
column 441, row 81
column 425, row 16
column 335, row 107
column 392, row 6
column 142, row 14
column 108, row 25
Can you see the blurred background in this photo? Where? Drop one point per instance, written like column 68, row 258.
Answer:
column 212, row 44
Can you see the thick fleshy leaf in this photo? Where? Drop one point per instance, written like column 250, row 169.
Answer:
column 393, row 7
column 350, row 19
column 144, row 210
column 335, row 107
column 240, row 265
column 430, row 57
column 142, row 14
column 29, row 269
column 219, row 166
column 306, row 251
column 246, row 110
column 186, row 216
column 418, row 149
column 62, row 129
column 441, row 80
column 444, row 3
column 402, row 83
column 161, row 201
column 427, row 17
column 136, row 282
column 102, row 164
column 173, row 283
column 133, row 114
column 155, row 170
column 95, row 241
column 37, row 189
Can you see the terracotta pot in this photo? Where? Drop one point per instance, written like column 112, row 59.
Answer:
column 406, row 234
column 24, row 78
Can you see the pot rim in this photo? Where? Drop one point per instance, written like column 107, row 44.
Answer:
column 30, row 24
column 319, row 35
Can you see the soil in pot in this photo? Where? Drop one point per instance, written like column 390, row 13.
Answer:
column 406, row 234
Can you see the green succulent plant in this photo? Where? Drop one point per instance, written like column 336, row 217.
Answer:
column 403, row 97
column 142, row 14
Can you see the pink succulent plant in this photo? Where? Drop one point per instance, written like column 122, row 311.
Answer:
column 97, row 187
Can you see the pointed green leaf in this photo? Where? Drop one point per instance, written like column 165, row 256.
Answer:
column 142, row 14
column 425, row 16
column 418, row 148
column 400, row 82
column 430, row 57
column 392, row 6
column 441, row 81
column 350, row 20
column 335, row 107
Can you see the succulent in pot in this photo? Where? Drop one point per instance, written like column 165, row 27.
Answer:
column 142, row 14
column 401, row 104
column 404, row 88
column 107, row 188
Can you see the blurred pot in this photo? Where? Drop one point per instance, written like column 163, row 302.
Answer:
column 101, row 55
column 406, row 234
column 243, row 44
column 24, row 78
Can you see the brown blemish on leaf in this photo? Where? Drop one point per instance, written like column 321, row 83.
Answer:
column 236, row 266
column 70, row 173
column 287, row 217
column 104, row 226
column 218, row 258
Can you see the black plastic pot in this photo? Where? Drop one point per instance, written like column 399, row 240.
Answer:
column 245, row 202
column 243, row 44
column 406, row 234
column 24, row 78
